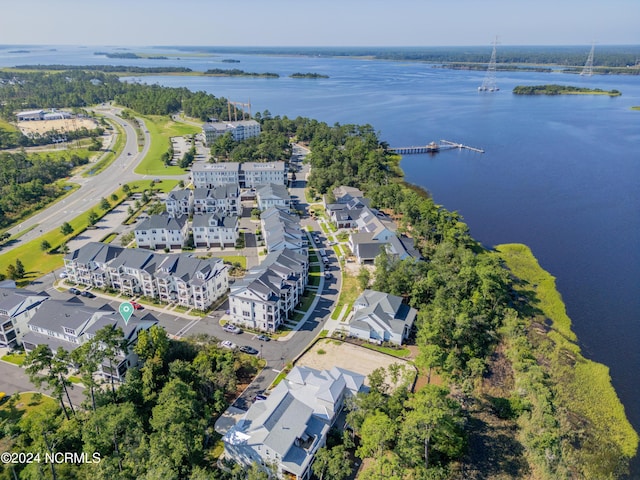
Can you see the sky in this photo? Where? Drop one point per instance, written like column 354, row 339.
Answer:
column 320, row 23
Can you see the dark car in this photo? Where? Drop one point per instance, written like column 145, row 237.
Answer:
column 248, row 349
column 87, row 293
column 75, row 291
column 263, row 338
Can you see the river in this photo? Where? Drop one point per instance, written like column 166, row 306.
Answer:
column 560, row 174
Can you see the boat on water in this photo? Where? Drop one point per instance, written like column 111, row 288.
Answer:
column 433, row 147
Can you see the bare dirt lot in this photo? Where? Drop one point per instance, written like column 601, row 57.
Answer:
column 350, row 357
column 66, row 125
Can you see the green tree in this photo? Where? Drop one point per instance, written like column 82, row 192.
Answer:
column 45, row 245
column 42, row 368
column 364, row 277
column 93, row 217
column 111, row 344
column 66, row 229
column 376, row 434
column 104, row 204
column 432, row 423
column 332, row 462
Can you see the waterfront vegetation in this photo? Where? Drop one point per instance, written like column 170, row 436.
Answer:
column 585, row 420
column 308, row 75
column 562, row 90
column 234, row 72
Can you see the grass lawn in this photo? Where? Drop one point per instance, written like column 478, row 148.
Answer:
column 234, row 259
column 109, row 238
column 348, row 293
column 8, row 127
column 15, row 358
column 24, row 405
column 161, row 128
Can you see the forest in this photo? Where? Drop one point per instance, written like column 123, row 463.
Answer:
column 28, row 182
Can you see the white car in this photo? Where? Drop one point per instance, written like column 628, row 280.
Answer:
column 63, row 275
column 228, row 344
column 231, row 328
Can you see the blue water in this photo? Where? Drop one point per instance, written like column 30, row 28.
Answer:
column 559, row 173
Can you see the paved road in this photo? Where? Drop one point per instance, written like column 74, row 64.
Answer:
column 13, row 379
column 91, row 190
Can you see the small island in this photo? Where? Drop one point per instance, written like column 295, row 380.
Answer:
column 230, row 60
column 562, row 90
column 234, row 72
column 308, row 75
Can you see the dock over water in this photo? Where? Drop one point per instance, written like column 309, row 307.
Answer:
column 433, row 147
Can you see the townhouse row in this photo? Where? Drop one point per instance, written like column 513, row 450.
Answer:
column 30, row 319
column 182, row 278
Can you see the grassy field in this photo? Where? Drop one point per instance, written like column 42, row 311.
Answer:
column 583, row 386
column 161, row 128
column 25, row 404
column 8, row 127
column 348, row 293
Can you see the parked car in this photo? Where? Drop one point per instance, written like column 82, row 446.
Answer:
column 249, row 350
column 87, row 293
column 259, row 397
column 263, row 338
column 63, row 275
column 230, row 328
column 136, row 306
column 74, row 290
column 328, row 275
column 228, row 344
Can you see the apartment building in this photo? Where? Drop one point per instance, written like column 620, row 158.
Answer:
column 171, row 278
column 215, row 230
column 162, row 231
column 240, row 130
column 17, row 307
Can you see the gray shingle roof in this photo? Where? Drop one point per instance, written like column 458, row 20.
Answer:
column 163, row 222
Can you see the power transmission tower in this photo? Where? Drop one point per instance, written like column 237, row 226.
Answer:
column 587, row 71
column 489, row 82
column 235, row 110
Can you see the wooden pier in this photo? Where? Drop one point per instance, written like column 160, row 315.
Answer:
column 433, row 147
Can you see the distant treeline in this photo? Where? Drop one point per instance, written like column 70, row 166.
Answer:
column 605, row 56
column 504, row 68
column 131, row 56
column 234, row 72
column 107, row 68
column 78, row 88
column 308, row 75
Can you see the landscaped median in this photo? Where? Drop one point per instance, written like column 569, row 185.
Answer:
column 38, row 262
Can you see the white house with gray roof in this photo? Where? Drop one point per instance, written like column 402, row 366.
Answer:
column 287, row 429
column 379, row 317
column 239, row 129
column 70, row 323
column 209, row 175
column 223, row 198
column 254, row 174
column 162, row 231
column 179, row 202
column 171, row 278
column 215, row 230
column 267, row 295
column 281, row 230
column 17, row 307
column 273, row 195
